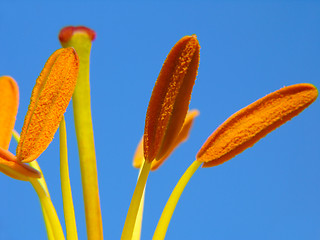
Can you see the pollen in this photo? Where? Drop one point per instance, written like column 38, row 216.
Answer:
column 49, row 100
column 170, row 98
column 9, row 102
column 247, row 126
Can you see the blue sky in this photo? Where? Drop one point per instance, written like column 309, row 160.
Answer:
column 248, row 49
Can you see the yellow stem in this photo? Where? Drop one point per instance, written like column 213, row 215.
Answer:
column 138, row 224
column 135, row 202
column 50, row 212
column 41, row 180
column 68, row 207
column 168, row 210
column 81, row 42
column 48, row 225
column 41, row 188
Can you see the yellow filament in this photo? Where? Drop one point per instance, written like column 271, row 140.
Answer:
column 50, row 214
column 130, row 222
column 41, row 188
column 81, row 41
column 138, row 224
column 168, row 210
column 68, row 207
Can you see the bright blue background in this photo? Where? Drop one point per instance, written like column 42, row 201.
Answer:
column 248, row 49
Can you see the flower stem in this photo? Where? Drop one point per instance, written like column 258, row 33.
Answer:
column 135, row 202
column 138, row 224
column 53, row 226
column 68, row 207
column 168, row 210
column 80, row 38
column 49, row 210
column 81, row 42
column 48, row 225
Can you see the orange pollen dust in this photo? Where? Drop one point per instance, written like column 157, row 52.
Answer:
column 9, row 102
column 247, row 126
column 49, row 100
column 170, row 97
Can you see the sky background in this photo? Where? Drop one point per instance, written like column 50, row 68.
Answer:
column 248, row 49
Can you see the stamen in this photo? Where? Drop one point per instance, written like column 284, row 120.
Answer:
column 49, row 100
column 170, row 98
column 247, row 126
